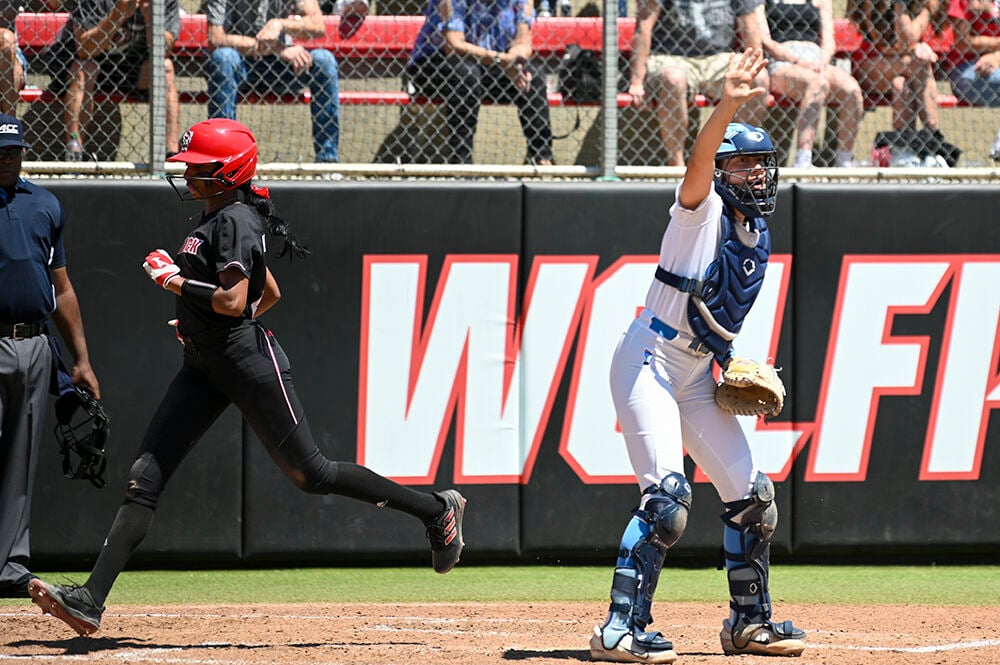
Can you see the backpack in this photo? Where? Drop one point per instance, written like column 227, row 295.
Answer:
column 580, row 75
column 923, row 147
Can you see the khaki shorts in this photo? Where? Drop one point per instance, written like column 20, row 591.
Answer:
column 705, row 73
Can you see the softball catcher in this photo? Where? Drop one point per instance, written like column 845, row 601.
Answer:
column 221, row 284
column 711, row 267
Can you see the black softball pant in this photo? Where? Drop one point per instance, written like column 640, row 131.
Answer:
column 244, row 366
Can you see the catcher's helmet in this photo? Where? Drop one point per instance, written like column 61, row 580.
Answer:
column 82, row 427
column 754, row 198
column 221, row 141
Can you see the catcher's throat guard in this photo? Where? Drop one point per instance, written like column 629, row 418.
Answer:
column 82, row 429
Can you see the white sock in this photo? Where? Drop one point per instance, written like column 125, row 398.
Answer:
column 844, row 158
column 803, row 158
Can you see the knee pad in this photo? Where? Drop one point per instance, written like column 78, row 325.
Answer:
column 757, row 515
column 666, row 509
column 145, row 482
column 656, row 525
column 299, row 458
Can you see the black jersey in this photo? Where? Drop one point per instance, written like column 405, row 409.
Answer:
column 793, row 22
column 232, row 237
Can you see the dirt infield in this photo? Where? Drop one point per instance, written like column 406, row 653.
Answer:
column 476, row 634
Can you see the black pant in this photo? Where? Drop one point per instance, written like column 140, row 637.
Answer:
column 246, row 367
column 463, row 84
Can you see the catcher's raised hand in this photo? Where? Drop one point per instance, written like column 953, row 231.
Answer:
column 738, row 86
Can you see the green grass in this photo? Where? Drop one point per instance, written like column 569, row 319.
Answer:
column 850, row 585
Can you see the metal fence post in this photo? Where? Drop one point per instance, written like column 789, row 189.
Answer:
column 609, row 104
column 157, row 92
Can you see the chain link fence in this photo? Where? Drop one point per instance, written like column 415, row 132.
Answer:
column 381, row 84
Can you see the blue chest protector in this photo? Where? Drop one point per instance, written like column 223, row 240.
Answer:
column 722, row 299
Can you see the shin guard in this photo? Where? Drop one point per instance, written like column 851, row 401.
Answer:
column 749, row 527
column 656, row 525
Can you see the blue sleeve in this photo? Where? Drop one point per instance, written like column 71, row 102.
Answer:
column 457, row 21
column 520, row 16
column 58, row 259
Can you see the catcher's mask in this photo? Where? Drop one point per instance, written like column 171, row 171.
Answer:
column 82, row 428
column 753, row 196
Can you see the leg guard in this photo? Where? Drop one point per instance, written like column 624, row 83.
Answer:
column 749, row 527
column 656, row 525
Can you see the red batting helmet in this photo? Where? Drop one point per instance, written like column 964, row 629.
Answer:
column 221, row 141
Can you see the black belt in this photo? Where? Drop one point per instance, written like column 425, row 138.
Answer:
column 22, row 330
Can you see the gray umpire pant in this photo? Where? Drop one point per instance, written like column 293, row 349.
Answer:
column 25, row 369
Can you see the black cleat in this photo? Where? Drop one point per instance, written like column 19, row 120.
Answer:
column 445, row 531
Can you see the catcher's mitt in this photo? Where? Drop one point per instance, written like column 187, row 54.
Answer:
column 749, row 388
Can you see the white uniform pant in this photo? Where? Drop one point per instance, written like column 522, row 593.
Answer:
column 664, row 396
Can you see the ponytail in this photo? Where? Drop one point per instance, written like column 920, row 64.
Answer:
column 259, row 198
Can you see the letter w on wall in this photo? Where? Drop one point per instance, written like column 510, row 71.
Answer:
column 471, row 361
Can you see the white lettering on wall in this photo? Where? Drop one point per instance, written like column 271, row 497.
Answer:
column 477, row 367
column 865, row 360
column 967, row 388
column 471, row 361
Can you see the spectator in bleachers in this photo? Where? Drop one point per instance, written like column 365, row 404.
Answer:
column 470, row 51
column 894, row 63
column 682, row 48
column 799, row 42
column 254, row 51
column 12, row 63
column 352, row 14
column 975, row 59
column 106, row 46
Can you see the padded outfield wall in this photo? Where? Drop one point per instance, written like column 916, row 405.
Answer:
column 459, row 334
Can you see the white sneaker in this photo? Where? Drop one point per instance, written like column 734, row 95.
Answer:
column 763, row 639
column 74, row 151
column 641, row 648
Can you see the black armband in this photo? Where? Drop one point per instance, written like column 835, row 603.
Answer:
column 198, row 293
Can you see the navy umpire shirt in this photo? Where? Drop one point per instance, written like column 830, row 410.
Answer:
column 31, row 244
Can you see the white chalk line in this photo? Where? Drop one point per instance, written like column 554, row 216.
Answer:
column 933, row 648
column 383, row 627
column 317, row 617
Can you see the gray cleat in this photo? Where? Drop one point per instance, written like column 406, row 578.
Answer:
column 71, row 604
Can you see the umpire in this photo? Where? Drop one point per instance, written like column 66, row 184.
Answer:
column 33, row 285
